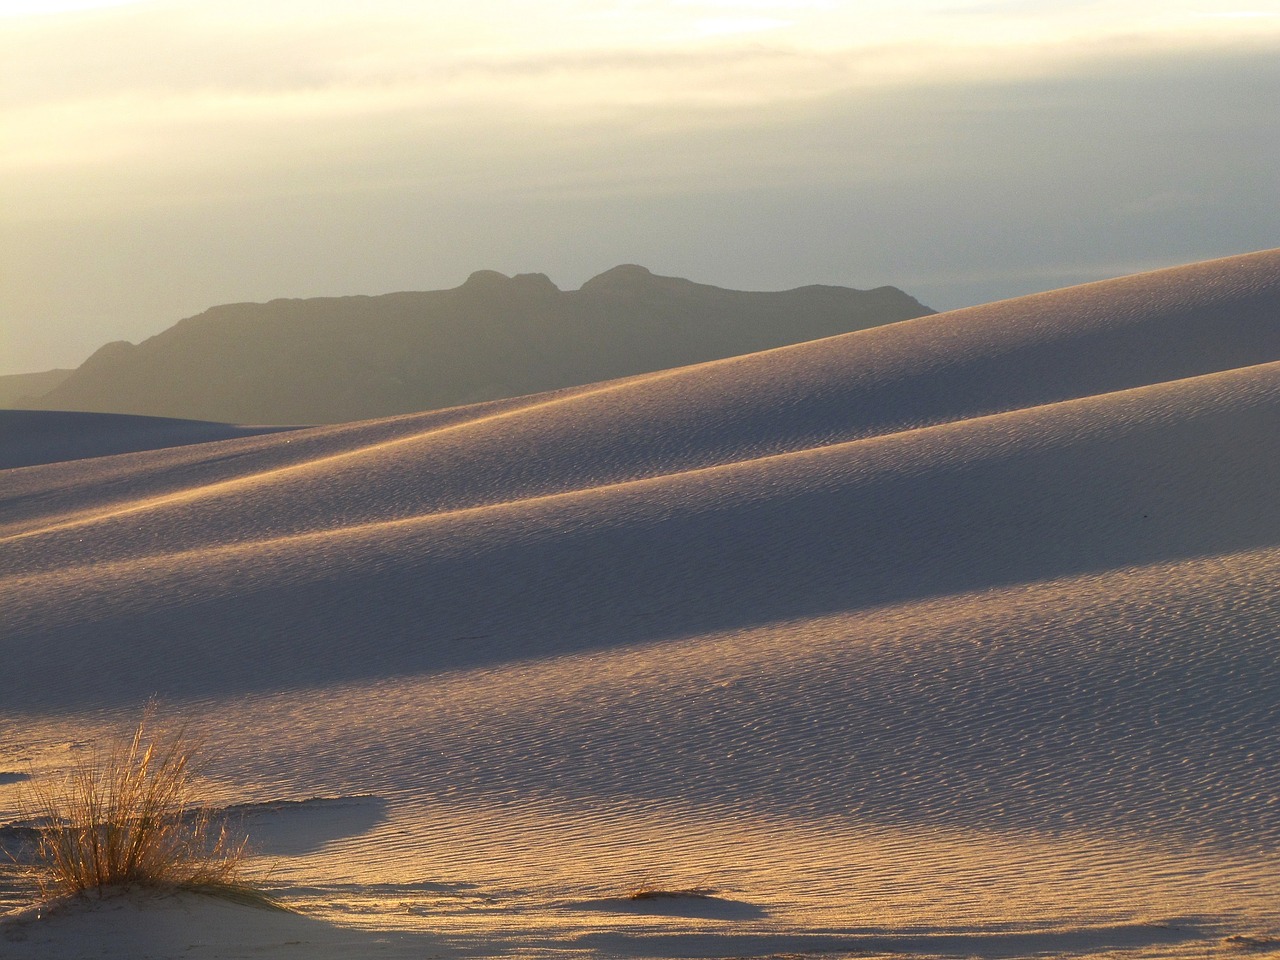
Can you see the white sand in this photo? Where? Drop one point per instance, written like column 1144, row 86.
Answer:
column 952, row 637
column 32, row 437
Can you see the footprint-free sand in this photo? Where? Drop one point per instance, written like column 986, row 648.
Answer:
column 953, row 637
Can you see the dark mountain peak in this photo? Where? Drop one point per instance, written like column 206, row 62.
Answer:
column 624, row 271
column 486, row 280
column 523, row 284
column 622, row 278
column 535, row 281
column 109, row 353
column 329, row 360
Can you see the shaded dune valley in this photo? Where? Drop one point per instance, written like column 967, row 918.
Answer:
column 951, row 637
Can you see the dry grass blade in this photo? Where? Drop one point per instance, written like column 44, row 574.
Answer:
column 649, row 890
column 128, row 817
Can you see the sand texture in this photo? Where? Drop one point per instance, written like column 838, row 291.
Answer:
column 952, row 637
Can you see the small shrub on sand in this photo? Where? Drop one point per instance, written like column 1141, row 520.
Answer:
column 648, row 890
column 128, row 816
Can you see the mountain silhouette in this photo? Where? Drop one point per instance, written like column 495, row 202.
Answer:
column 338, row 359
column 16, row 389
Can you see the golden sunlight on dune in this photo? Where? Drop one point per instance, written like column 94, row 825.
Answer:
column 952, row 637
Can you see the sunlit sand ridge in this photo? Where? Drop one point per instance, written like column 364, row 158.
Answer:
column 951, row 637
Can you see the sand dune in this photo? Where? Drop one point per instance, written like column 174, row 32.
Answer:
column 1160, row 473
column 34, row 437
column 955, row 636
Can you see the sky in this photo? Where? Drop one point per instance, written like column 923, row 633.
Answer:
column 158, row 157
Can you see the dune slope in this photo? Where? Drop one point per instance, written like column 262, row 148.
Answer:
column 36, row 437
column 914, row 639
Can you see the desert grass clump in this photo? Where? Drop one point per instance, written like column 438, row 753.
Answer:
column 128, row 816
column 649, row 890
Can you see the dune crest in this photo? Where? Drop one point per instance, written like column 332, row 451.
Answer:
column 953, row 636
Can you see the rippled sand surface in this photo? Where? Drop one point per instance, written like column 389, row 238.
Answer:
column 955, row 637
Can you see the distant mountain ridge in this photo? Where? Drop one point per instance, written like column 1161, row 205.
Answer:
column 338, row 359
column 17, row 388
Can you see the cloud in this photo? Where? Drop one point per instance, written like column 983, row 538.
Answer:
column 228, row 164
column 25, row 8
column 575, row 52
